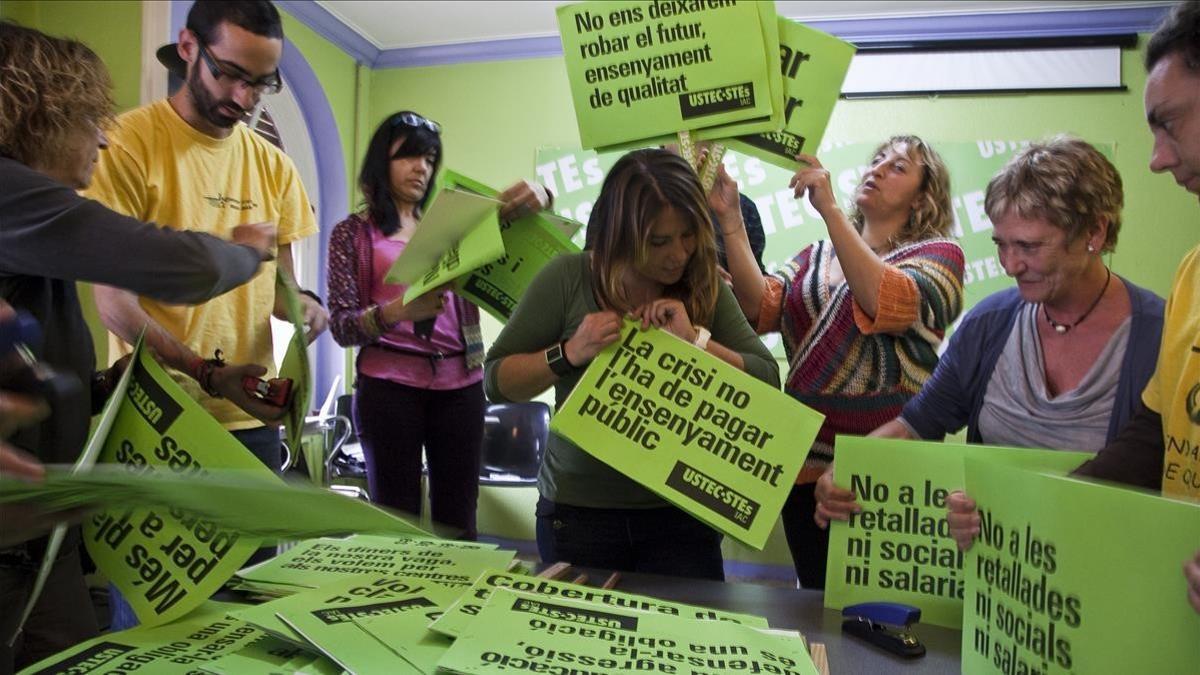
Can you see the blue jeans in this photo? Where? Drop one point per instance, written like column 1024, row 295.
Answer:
column 264, row 443
column 656, row 541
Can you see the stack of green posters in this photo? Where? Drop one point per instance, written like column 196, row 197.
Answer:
column 462, row 613
column 198, row 641
column 518, row 632
column 462, row 241
column 640, row 71
column 333, row 620
column 813, row 65
column 702, row 434
column 899, row 549
column 318, row 562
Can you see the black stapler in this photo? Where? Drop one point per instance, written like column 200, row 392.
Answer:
column 885, row 625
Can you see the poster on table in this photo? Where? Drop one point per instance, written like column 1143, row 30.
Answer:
column 453, row 622
column 643, row 70
column 1069, row 576
column 700, row 433
column 898, row 548
column 516, row 632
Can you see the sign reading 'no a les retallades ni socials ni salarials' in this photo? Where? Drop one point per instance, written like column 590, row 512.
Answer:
column 700, row 433
column 642, row 70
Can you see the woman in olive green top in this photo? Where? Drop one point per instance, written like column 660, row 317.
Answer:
column 654, row 259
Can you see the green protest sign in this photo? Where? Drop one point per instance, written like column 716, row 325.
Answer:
column 460, row 615
column 898, row 549
column 317, row 562
column 181, row 647
column 240, row 502
column 533, row 634
column 295, row 365
column 707, row 437
column 268, row 656
column 459, row 231
column 87, row 459
column 406, row 634
column 642, row 70
column 1075, row 577
column 328, row 618
column 529, row 243
column 166, row 561
column 813, row 65
column 769, row 30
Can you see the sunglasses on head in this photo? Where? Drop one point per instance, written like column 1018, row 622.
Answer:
column 414, row 120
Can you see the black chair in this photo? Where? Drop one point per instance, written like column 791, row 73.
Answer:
column 514, row 440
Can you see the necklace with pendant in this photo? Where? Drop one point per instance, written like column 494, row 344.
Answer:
column 1061, row 328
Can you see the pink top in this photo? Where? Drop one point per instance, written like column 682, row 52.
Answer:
column 412, row 365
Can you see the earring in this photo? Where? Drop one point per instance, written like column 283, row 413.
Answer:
column 1091, row 249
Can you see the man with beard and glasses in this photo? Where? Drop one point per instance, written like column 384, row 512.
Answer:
column 189, row 160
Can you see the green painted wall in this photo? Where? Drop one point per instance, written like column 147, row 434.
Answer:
column 111, row 28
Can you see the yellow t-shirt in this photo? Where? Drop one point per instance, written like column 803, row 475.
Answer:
column 158, row 168
column 1174, row 390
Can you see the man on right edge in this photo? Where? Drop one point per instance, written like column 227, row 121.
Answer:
column 1160, row 447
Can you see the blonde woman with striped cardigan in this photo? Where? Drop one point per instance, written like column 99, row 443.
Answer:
column 861, row 313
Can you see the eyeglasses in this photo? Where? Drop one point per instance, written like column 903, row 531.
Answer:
column 415, row 120
column 269, row 84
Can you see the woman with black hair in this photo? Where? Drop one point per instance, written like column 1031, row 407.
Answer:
column 420, row 364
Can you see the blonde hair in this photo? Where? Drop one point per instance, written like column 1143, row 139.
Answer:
column 638, row 188
column 49, row 88
column 933, row 215
column 1064, row 181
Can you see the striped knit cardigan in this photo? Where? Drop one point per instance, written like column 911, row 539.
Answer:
column 352, row 321
column 858, row 370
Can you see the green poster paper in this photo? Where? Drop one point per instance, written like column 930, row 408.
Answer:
column 406, row 634
column 768, row 25
column 707, row 437
column 317, row 562
column 898, row 549
column 813, row 65
column 265, row 656
column 642, row 70
column 460, row 615
column 167, row 561
column 238, row 501
column 183, row 647
column 529, row 243
column 87, row 459
column 517, row 632
column 1075, row 577
column 295, row 365
column 327, row 618
column 459, row 231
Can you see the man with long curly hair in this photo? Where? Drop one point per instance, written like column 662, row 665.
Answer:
column 55, row 103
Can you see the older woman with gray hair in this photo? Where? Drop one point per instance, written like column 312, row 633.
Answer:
column 1061, row 359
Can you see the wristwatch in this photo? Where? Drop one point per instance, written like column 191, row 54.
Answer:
column 556, row 358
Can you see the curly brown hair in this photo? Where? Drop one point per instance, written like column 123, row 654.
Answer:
column 933, row 215
column 49, row 88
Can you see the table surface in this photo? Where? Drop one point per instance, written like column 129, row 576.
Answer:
column 803, row 611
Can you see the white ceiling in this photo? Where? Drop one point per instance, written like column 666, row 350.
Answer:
column 396, row 24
